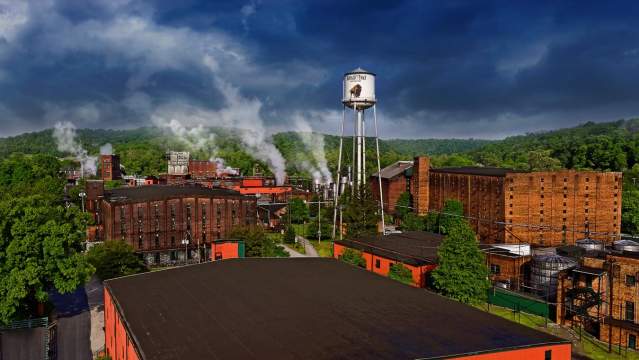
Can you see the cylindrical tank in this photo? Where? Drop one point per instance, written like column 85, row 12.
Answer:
column 589, row 244
column 626, row 245
column 359, row 89
column 544, row 271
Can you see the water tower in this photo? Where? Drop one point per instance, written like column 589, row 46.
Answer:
column 358, row 94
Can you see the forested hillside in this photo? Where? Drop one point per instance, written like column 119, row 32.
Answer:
column 142, row 150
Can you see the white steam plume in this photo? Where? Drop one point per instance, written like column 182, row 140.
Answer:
column 240, row 114
column 221, row 169
column 195, row 138
column 106, row 149
column 314, row 143
column 65, row 133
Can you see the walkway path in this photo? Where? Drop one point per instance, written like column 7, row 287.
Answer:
column 308, row 247
column 292, row 252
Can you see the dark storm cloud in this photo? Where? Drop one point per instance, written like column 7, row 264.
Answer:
column 461, row 68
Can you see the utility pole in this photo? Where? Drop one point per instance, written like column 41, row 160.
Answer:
column 319, row 222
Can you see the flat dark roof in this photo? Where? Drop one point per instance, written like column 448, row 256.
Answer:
column 310, row 308
column 163, row 192
column 411, row 247
column 475, row 170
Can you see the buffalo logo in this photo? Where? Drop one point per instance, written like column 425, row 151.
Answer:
column 356, row 90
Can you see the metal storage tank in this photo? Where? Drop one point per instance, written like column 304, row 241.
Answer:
column 359, row 89
column 626, row 245
column 590, row 244
column 544, row 272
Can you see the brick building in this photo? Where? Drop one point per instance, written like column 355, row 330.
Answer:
column 602, row 304
column 110, row 167
column 202, row 168
column 507, row 263
column 155, row 219
column 416, row 250
column 259, row 308
column 546, row 208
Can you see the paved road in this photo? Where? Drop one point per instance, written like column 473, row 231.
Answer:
column 292, row 252
column 95, row 295
column 310, row 249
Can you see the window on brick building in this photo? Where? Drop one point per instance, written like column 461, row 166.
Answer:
column 173, row 223
column 631, row 280
column 140, row 242
column 157, row 240
column 495, row 269
column 632, row 341
column 172, row 240
column 378, row 263
column 188, row 217
column 630, row 311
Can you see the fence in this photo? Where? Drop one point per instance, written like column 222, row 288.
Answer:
column 518, row 302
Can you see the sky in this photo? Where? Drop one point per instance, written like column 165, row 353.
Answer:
column 480, row 69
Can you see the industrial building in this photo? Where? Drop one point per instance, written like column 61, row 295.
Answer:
column 110, row 167
column 416, row 250
column 507, row 263
column 247, row 308
column 599, row 293
column 164, row 221
column 541, row 208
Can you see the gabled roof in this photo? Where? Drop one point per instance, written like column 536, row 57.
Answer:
column 395, row 169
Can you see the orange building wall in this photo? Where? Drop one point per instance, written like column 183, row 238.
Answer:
column 228, row 250
column 559, row 352
column 118, row 343
column 419, row 272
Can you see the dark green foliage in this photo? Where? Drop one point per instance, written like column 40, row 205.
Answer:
column 298, row 211
column 461, row 273
column 630, row 211
column 400, row 273
column 113, row 259
column 353, row 257
column 289, row 235
column 257, row 244
column 360, row 212
column 412, row 222
column 40, row 239
column 404, row 204
column 451, row 215
column 326, row 222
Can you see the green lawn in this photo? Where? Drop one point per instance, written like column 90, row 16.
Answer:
column 588, row 346
column 324, row 248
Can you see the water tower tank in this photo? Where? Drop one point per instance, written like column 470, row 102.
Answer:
column 359, row 89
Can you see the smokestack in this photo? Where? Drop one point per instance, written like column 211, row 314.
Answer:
column 420, row 184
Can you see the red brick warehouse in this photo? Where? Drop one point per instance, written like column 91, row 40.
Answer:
column 546, row 208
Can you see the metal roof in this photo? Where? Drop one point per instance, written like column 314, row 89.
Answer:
column 394, row 169
column 308, row 308
column 163, row 192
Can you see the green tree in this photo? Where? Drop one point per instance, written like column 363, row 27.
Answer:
column 113, row 259
column 353, row 257
column 289, row 235
column 461, row 273
column 360, row 212
column 451, row 215
column 312, row 208
column 400, row 273
column 412, row 222
column 256, row 243
column 40, row 247
column 539, row 160
column 630, row 211
column 404, row 204
column 298, row 211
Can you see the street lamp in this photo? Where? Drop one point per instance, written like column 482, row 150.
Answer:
column 82, row 195
column 185, row 242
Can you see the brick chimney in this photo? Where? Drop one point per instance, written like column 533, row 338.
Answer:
column 419, row 184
